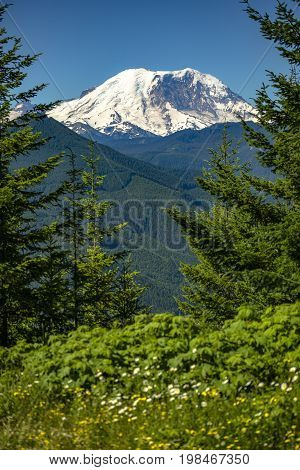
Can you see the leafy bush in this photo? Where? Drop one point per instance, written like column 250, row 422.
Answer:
column 159, row 383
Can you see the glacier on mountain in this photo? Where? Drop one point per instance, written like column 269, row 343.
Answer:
column 141, row 102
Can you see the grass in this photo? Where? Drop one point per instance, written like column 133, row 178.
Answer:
column 178, row 419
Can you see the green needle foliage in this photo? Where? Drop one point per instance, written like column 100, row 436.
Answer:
column 97, row 268
column 248, row 245
column 100, row 294
column 73, row 231
column 20, row 197
column 52, row 295
column 126, row 302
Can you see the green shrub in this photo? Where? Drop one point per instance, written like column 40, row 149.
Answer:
column 159, row 383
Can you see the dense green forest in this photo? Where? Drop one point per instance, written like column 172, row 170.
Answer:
column 85, row 360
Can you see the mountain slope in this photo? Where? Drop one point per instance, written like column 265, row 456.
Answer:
column 189, row 148
column 140, row 102
column 140, row 193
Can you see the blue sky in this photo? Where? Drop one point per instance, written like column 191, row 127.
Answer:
column 85, row 42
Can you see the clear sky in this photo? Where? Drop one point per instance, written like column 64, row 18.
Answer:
column 85, row 42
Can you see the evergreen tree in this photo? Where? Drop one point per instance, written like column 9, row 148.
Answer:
column 249, row 244
column 126, row 301
column 97, row 268
column 20, row 198
column 52, row 294
column 73, row 231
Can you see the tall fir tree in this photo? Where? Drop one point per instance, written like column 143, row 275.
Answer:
column 126, row 302
column 73, row 231
column 248, row 245
column 20, row 198
column 52, row 293
column 97, row 268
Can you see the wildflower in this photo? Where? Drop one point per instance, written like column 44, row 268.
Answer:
column 203, row 404
column 194, row 351
column 261, row 384
column 193, row 366
column 295, row 378
column 283, row 386
column 225, row 381
column 136, row 371
column 293, row 369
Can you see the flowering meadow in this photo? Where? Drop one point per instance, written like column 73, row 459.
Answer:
column 157, row 384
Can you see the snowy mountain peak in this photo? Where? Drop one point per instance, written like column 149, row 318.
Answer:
column 139, row 102
column 21, row 109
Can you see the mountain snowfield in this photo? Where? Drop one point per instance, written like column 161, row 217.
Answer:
column 140, row 102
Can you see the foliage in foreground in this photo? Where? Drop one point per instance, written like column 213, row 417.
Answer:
column 158, row 383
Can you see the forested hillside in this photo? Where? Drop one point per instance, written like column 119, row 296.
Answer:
column 187, row 149
column 142, row 192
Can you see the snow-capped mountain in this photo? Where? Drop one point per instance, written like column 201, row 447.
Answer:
column 20, row 109
column 140, row 102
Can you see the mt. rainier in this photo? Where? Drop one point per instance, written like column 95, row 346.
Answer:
column 140, row 102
